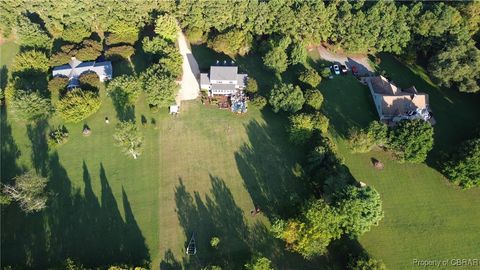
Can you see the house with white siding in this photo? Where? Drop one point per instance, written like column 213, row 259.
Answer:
column 223, row 80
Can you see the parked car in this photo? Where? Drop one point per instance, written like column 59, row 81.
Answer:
column 336, row 69
column 344, row 68
column 354, row 70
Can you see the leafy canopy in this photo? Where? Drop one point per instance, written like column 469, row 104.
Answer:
column 286, row 97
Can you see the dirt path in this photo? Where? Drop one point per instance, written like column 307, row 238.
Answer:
column 189, row 85
column 360, row 61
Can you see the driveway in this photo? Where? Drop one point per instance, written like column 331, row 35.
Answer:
column 360, row 61
column 189, row 87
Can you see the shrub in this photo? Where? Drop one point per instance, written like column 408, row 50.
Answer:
column 365, row 263
column 363, row 140
column 252, row 86
column 314, row 99
column 214, row 242
column 123, row 51
column 166, row 26
column 286, row 97
column 301, row 128
column 259, row 101
column 259, row 264
column 57, row 136
column 310, row 77
column 30, row 61
column 77, row 105
column 326, row 72
column 30, row 106
column 411, row 140
column 463, row 166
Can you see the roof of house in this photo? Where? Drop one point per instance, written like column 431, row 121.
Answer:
column 397, row 105
column 223, row 86
column 204, row 80
column 382, row 86
column 221, row 73
column 241, row 79
column 76, row 67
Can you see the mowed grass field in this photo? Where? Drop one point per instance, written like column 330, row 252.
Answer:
column 425, row 216
column 201, row 172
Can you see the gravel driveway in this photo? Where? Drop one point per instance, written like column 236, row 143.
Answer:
column 189, row 87
column 360, row 61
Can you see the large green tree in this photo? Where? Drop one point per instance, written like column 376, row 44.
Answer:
column 286, row 97
column 232, row 42
column 30, row 106
column 166, row 26
column 76, row 105
column 411, row 140
column 463, row 165
column 313, row 231
column 361, row 208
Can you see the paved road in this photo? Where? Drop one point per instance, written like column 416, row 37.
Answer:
column 360, row 61
column 189, row 85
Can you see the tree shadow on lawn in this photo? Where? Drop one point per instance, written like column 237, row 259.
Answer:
column 88, row 229
column 125, row 111
column 218, row 215
column 270, row 168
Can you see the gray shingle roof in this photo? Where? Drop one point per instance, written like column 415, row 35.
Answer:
column 221, row 73
column 241, row 79
column 204, row 79
column 75, row 68
column 217, row 86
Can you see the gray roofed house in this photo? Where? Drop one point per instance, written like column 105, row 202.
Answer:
column 75, row 68
column 223, row 80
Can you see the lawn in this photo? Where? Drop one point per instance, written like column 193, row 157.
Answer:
column 425, row 216
column 201, row 172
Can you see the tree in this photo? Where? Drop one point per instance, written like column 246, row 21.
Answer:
column 166, row 26
column 77, row 105
column 320, row 122
column 310, row 77
column 298, row 55
column 259, row 264
column 122, row 51
column 252, row 86
column 30, row 62
column 31, row 35
column 195, row 35
column 89, row 49
column 463, row 166
column 232, row 42
column 363, row 140
column 310, row 234
column 89, row 81
column 366, row 263
column 276, row 58
column 57, row 86
column 122, row 32
column 411, row 140
column 126, row 87
column 361, row 208
column 286, row 97
column 28, row 191
column 259, row 101
column 155, row 45
column 129, row 138
column 314, row 99
column 457, row 65
column 30, row 106
column 158, row 86
column 301, row 128
column 75, row 33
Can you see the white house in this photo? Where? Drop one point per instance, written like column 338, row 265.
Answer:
column 223, row 80
column 75, row 68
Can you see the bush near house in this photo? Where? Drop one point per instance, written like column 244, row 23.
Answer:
column 77, row 105
column 463, row 166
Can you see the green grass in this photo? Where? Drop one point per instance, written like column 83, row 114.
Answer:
column 7, row 52
column 425, row 216
column 201, row 172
